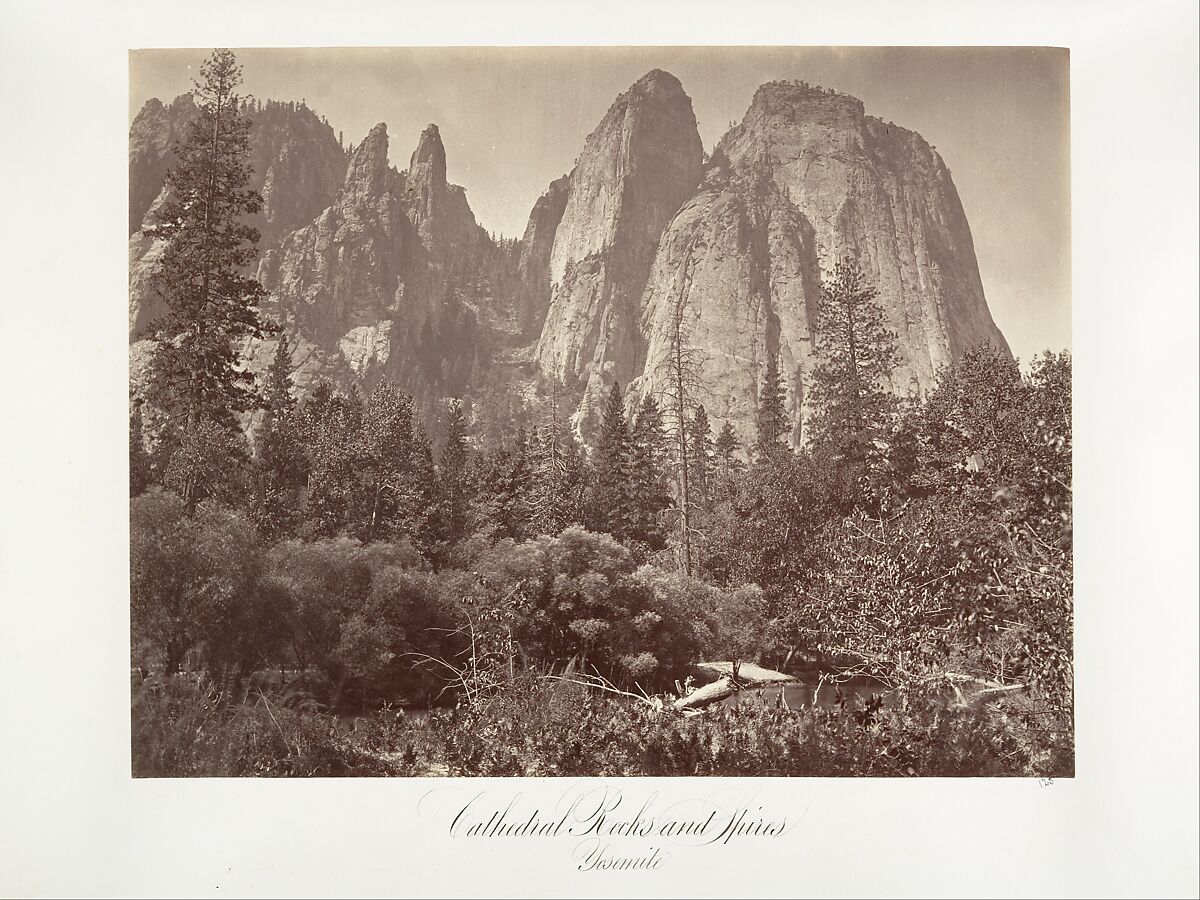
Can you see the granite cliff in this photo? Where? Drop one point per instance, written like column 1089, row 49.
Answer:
column 152, row 138
column 805, row 179
column 533, row 269
column 637, row 167
column 377, row 272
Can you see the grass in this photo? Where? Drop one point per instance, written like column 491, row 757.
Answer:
column 184, row 727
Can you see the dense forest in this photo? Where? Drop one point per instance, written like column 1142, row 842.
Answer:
column 355, row 582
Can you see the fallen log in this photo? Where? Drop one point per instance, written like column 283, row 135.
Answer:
column 692, row 702
column 1001, row 689
column 713, row 692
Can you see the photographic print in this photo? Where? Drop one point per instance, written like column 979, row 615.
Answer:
column 600, row 411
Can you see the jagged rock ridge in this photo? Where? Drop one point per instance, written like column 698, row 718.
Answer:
column 381, row 282
column 152, row 137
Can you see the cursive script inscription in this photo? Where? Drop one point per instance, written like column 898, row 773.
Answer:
column 597, row 857
column 611, row 830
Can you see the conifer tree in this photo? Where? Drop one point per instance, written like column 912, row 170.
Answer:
column 609, row 508
column 372, row 469
column 679, row 368
column 700, row 435
column 556, row 481
column 521, row 485
column 211, row 299
column 453, row 473
column 420, row 514
column 577, row 478
column 851, row 397
column 203, row 277
column 552, row 500
column 328, row 422
column 280, row 465
column 502, row 496
column 277, row 394
column 725, row 447
column 772, row 413
column 139, row 459
column 386, row 460
column 648, row 492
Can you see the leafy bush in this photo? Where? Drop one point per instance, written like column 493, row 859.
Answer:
column 194, row 580
column 583, row 596
column 183, row 726
column 330, row 585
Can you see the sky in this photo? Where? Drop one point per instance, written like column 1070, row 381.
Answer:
column 514, row 119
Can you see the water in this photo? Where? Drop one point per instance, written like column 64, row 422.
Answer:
column 798, row 696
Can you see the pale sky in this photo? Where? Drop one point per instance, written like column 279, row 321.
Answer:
column 514, row 119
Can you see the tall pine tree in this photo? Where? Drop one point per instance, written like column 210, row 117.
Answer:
column 553, row 456
column 277, row 394
column 648, row 493
column 204, row 274
column 329, row 422
column 609, row 509
column 502, row 495
column 772, row 412
column 280, row 465
column 139, row 460
column 724, row 449
column 679, row 369
column 700, row 436
column 452, row 473
column 851, row 396
column 389, row 501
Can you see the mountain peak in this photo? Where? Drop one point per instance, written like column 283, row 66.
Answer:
column 637, row 168
column 367, row 173
column 152, row 138
column 658, row 79
column 428, row 161
column 804, row 100
column 376, row 136
column 150, row 107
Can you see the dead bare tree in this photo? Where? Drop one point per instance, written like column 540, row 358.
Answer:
column 485, row 665
column 679, row 366
column 600, row 683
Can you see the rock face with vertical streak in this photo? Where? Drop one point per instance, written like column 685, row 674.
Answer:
column 533, row 267
column 738, row 266
column 637, row 167
column 804, row 180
